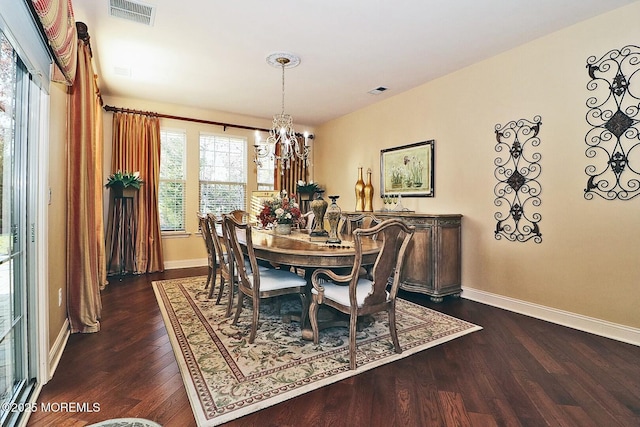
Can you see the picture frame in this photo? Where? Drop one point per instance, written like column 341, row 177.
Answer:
column 407, row 170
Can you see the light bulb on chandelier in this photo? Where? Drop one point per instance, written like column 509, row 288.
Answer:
column 282, row 143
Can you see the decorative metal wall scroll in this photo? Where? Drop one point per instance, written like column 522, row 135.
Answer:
column 613, row 141
column 518, row 190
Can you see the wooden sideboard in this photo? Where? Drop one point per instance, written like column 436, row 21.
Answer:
column 433, row 263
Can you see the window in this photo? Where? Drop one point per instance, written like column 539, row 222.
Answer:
column 266, row 174
column 223, row 173
column 21, row 104
column 171, row 203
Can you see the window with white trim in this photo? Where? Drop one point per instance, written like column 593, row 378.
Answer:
column 265, row 174
column 171, row 197
column 223, row 173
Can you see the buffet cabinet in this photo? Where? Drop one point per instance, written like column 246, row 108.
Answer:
column 433, row 260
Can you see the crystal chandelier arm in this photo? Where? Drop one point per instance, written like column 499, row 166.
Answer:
column 262, row 151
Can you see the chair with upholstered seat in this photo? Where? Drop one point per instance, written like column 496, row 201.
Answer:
column 308, row 221
column 349, row 223
column 205, row 230
column 257, row 283
column 231, row 278
column 240, row 215
column 221, row 266
column 357, row 296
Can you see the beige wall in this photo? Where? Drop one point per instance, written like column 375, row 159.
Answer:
column 587, row 262
column 189, row 250
column 57, row 210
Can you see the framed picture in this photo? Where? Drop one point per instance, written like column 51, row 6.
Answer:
column 407, row 170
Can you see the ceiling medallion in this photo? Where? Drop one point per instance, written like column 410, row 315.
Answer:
column 279, row 59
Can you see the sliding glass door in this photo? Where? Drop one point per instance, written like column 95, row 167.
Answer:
column 16, row 337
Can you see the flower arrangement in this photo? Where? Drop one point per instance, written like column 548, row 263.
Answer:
column 124, row 179
column 279, row 210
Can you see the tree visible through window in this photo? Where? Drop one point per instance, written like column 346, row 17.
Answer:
column 223, row 173
column 171, row 202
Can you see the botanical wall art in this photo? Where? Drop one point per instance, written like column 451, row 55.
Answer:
column 518, row 190
column 407, row 170
column 612, row 142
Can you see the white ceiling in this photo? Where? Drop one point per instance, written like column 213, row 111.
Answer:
column 211, row 54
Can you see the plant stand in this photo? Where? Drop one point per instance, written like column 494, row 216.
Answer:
column 121, row 241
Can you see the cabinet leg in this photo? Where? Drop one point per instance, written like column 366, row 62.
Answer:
column 436, row 299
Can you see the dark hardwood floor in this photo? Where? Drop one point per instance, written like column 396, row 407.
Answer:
column 517, row 371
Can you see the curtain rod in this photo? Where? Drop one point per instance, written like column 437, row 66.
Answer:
column 83, row 34
column 186, row 119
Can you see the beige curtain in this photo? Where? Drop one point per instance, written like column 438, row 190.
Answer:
column 136, row 148
column 297, row 171
column 86, row 266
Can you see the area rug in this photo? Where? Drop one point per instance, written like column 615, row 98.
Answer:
column 227, row 378
column 126, row 422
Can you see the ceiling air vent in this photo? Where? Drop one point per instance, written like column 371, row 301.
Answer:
column 132, row 11
column 377, row 90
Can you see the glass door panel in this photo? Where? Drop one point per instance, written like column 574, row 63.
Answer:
column 14, row 357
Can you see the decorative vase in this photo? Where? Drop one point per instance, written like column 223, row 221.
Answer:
column 368, row 193
column 333, row 217
column 282, row 228
column 359, row 192
column 319, row 207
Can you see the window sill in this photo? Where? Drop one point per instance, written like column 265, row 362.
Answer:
column 175, row 234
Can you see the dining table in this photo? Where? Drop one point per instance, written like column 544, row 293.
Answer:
column 300, row 252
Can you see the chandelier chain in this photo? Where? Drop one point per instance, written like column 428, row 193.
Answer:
column 282, row 63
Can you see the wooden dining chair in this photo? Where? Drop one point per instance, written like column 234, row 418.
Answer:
column 349, row 223
column 257, row 283
column 309, row 221
column 240, row 215
column 363, row 296
column 233, row 273
column 205, row 230
column 221, row 260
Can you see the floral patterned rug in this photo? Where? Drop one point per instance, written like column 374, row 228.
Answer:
column 226, row 377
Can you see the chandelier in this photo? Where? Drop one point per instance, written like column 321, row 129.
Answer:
column 282, row 143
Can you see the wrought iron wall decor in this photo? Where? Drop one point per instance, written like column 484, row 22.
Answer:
column 518, row 190
column 614, row 116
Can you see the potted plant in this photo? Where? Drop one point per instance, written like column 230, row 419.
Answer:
column 124, row 184
column 306, row 191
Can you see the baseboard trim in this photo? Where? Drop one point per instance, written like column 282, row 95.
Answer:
column 186, row 263
column 55, row 354
column 565, row 318
column 53, row 359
